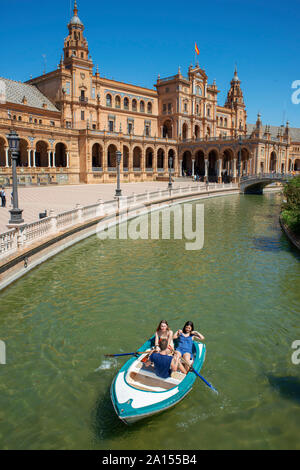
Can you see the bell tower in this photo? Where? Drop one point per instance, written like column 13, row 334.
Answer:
column 235, row 95
column 75, row 46
column 235, row 102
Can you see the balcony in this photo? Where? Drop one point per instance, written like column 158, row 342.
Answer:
column 83, row 99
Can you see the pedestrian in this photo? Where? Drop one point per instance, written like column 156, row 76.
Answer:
column 3, row 197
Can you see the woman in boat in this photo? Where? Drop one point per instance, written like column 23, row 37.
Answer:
column 185, row 345
column 163, row 332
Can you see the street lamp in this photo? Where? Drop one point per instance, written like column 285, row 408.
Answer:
column 119, row 158
column 240, row 157
column 170, row 186
column 14, row 146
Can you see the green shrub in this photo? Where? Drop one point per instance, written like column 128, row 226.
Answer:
column 291, row 207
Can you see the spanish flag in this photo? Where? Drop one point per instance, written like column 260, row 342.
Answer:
column 196, row 49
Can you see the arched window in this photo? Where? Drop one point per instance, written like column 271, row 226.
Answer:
column 208, row 112
column 118, row 102
column 142, row 106
column 198, row 90
column 149, row 108
column 225, row 122
column 134, row 105
column 108, row 100
column 126, row 103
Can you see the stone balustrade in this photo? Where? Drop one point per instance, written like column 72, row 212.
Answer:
column 27, row 234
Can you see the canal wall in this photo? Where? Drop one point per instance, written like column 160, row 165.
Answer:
column 295, row 241
column 28, row 246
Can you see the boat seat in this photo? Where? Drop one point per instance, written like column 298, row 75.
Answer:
column 175, row 378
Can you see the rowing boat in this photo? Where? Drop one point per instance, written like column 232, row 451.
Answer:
column 137, row 392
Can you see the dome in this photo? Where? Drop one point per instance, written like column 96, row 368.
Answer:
column 76, row 21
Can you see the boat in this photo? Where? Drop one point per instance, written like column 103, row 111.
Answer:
column 137, row 392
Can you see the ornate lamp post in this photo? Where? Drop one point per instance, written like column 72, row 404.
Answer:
column 14, row 146
column 119, row 158
column 170, row 185
column 240, row 157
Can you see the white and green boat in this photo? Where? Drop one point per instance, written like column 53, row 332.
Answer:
column 137, row 392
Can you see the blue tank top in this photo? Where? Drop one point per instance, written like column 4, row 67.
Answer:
column 162, row 364
column 185, row 343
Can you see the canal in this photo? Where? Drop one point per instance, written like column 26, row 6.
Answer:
column 242, row 292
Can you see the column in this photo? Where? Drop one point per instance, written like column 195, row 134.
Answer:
column 180, row 167
column 49, row 159
column 154, row 162
column 68, row 160
column 6, row 157
column 29, row 158
column 166, row 162
column 219, row 170
column 234, row 170
column 206, row 169
column 53, row 159
column 34, row 162
column 193, row 168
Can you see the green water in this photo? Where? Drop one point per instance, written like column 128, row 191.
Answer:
column 242, row 292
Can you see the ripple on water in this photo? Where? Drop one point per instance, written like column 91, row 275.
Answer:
column 96, row 298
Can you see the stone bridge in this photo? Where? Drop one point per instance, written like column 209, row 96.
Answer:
column 254, row 184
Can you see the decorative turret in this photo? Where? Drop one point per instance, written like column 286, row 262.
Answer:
column 235, row 94
column 76, row 45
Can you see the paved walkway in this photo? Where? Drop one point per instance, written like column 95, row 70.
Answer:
column 34, row 200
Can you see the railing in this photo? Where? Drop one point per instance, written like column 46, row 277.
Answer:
column 18, row 238
column 271, row 176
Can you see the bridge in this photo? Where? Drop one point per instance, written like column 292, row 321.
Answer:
column 254, row 184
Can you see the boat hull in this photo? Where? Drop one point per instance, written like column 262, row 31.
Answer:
column 132, row 404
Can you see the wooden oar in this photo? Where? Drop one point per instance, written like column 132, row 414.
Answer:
column 200, row 376
column 136, row 353
column 125, row 354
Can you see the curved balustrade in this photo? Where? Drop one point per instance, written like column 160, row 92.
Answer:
column 27, row 234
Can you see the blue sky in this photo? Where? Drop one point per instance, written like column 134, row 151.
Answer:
column 135, row 41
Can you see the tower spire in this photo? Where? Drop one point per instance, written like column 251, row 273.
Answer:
column 75, row 8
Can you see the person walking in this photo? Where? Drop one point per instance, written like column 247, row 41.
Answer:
column 3, row 197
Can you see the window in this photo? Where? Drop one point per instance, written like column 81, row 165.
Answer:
column 52, row 123
column 185, row 107
column 169, row 108
column 208, row 112
column 147, row 130
column 40, row 121
column 30, row 119
column 164, row 108
column 108, row 101
column 198, row 90
column 68, row 125
column 82, row 55
column 20, row 118
column 134, row 105
column 130, row 128
column 142, row 106
column 93, row 93
column 197, row 108
column 82, row 115
column 111, row 126
column 149, row 108
column 118, row 102
column 94, row 127
column 126, row 103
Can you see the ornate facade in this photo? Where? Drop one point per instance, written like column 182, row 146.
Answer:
column 72, row 121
